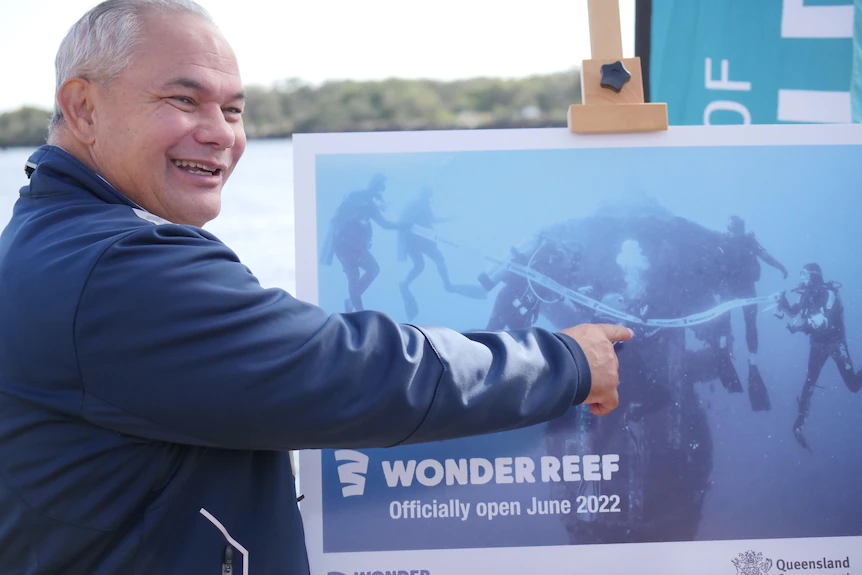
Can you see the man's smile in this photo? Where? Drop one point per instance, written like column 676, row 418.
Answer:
column 199, row 168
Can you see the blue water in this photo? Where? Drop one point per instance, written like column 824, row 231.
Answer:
column 803, row 204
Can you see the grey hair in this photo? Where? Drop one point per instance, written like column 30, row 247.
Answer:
column 102, row 43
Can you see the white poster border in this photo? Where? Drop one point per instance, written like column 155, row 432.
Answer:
column 673, row 557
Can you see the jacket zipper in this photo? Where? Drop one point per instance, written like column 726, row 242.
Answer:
column 227, row 562
column 227, row 566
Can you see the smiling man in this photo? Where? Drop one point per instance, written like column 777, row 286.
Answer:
column 166, row 132
column 150, row 387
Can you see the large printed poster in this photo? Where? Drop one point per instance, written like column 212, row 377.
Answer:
column 731, row 251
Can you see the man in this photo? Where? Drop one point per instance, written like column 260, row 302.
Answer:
column 820, row 314
column 519, row 302
column 419, row 213
column 149, row 387
column 739, row 257
column 350, row 236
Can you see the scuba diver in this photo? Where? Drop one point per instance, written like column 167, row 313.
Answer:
column 627, row 432
column 410, row 244
column 349, row 239
column 715, row 359
column 820, row 314
column 741, row 270
column 519, row 301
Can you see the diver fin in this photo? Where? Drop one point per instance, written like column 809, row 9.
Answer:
column 800, row 437
column 757, row 394
column 727, row 373
column 732, row 384
column 410, row 305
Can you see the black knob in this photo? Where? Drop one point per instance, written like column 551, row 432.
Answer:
column 614, row 76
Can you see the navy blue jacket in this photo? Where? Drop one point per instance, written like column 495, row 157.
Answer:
column 150, row 387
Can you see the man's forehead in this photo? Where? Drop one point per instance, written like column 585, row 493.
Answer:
column 189, row 39
column 187, row 51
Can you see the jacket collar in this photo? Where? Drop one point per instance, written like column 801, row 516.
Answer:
column 53, row 171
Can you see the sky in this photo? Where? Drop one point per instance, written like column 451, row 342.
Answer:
column 318, row 40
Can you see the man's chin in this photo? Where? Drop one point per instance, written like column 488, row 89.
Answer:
column 197, row 215
column 203, row 219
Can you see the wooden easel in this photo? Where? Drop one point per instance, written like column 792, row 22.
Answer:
column 604, row 109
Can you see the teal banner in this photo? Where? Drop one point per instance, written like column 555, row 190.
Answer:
column 758, row 62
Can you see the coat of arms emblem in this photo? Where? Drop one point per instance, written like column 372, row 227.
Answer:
column 751, row 563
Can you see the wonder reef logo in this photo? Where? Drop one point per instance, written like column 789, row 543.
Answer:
column 751, row 563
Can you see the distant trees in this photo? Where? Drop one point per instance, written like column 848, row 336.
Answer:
column 348, row 106
column 395, row 104
column 24, row 127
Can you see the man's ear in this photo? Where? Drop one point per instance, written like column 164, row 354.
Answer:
column 75, row 99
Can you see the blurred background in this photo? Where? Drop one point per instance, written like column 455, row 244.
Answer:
column 339, row 65
column 328, row 66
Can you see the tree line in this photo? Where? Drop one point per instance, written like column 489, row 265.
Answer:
column 293, row 106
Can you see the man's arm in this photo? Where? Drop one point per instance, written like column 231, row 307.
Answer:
column 766, row 257
column 381, row 220
column 177, row 341
column 791, row 309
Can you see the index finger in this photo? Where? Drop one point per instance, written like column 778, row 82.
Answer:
column 616, row 332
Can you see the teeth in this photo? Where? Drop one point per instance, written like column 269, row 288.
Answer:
column 187, row 164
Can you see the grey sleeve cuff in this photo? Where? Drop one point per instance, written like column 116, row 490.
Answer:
column 585, row 378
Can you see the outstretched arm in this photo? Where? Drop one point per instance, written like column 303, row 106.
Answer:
column 766, row 257
column 386, row 224
column 790, row 309
column 209, row 357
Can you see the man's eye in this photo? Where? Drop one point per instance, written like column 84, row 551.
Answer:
column 183, row 99
column 233, row 110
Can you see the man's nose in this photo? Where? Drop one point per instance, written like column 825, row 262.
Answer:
column 215, row 130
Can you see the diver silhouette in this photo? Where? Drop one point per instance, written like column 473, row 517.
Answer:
column 350, row 235
column 715, row 359
column 739, row 261
column 519, row 301
column 820, row 314
column 626, row 431
column 410, row 244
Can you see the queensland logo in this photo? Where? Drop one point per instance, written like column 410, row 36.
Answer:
column 751, row 563
column 352, row 472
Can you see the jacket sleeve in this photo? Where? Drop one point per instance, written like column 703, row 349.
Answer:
column 177, row 341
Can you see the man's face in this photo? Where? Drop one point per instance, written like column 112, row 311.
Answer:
column 735, row 227
column 175, row 108
column 804, row 277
